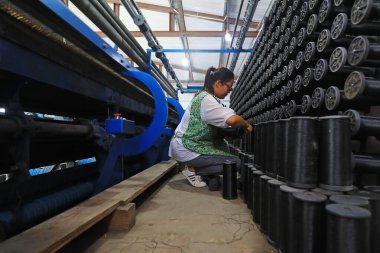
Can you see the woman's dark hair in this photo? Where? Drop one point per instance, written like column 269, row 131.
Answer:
column 214, row 74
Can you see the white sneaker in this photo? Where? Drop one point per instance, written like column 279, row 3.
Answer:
column 194, row 180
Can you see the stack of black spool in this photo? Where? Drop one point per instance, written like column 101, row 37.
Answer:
column 310, row 89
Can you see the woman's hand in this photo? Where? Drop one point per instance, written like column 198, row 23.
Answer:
column 249, row 129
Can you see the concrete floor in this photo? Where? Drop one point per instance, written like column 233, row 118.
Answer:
column 181, row 218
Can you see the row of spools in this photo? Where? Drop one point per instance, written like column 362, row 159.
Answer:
column 314, row 59
column 302, row 218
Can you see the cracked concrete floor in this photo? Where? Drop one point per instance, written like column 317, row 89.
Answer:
column 181, row 218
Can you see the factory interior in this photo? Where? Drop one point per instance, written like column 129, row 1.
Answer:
column 101, row 99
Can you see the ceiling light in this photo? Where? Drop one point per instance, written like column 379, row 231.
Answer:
column 227, row 37
column 185, row 62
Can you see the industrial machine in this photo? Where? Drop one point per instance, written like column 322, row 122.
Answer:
column 108, row 120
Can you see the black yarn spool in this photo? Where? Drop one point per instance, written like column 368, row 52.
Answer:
column 309, row 222
column 350, row 200
column 372, row 188
column 374, row 208
column 285, row 226
column 277, row 134
column 257, row 146
column 263, row 142
column 335, row 154
column 264, row 203
column 282, row 149
column 302, row 165
column 274, row 210
column 244, row 181
column 248, row 145
column 269, row 139
column 348, row 229
column 251, row 169
column 229, row 180
column 256, row 195
column 325, row 192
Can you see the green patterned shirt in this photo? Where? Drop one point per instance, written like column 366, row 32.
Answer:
column 201, row 137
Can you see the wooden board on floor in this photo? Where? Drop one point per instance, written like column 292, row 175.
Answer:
column 134, row 186
column 53, row 234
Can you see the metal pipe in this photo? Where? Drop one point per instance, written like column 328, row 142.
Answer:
column 362, row 52
column 357, row 84
column 327, row 10
column 363, row 125
column 365, row 163
column 109, row 24
column 235, row 27
column 313, row 25
column 140, row 21
column 335, row 100
column 325, row 41
column 364, row 10
column 252, row 4
column 341, row 26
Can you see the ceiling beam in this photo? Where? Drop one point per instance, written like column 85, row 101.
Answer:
column 187, row 13
column 250, row 34
column 180, row 67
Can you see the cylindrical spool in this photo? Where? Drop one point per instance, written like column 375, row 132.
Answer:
column 372, row 188
column 325, row 192
column 269, row 170
column 252, row 169
column 348, row 229
column 229, row 180
column 244, row 180
column 274, row 211
column 263, row 135
column 277, row 134
column 283, row 142
column 335, row 153
column 374, row 208
column 350, row 200
column 302, row 165
column 264, row 203
column 256, row 145
column 256, row 195
column 287, row 234
column 309, row 222
column 248, row 189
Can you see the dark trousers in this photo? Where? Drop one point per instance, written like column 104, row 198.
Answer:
column 211, row 164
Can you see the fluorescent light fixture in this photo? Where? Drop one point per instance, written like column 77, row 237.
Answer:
column 185, row 62
column 227, row 37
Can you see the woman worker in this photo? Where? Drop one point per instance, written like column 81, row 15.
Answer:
column 195, row 143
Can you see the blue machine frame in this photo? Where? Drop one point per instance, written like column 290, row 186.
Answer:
column 112, row 172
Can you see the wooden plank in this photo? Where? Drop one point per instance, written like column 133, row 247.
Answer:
column 123, row 219
column 56, row 232
column 134, row 186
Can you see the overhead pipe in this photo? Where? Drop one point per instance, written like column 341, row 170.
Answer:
column 252, row 4
column 235, row 27
column 102, row 15
column 140, row 21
